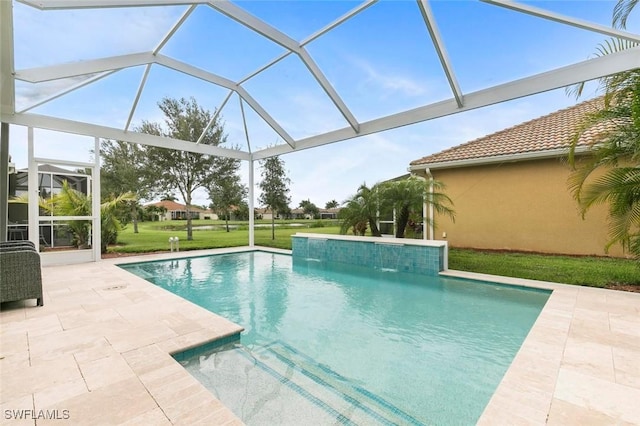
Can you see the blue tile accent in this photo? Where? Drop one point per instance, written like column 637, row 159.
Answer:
column 391, row 255
column 330, row 374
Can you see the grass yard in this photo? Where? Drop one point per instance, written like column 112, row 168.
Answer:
column 154, row 236
column 589, row 271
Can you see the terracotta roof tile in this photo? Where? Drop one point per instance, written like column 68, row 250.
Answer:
column 173, row 206
column 550, row 132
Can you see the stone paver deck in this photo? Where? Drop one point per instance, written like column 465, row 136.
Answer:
column 98, row 352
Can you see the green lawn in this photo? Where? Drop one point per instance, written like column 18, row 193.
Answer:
column 154, row 236
column 589, row 271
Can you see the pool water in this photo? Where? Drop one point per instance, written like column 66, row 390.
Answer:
column 329, row 343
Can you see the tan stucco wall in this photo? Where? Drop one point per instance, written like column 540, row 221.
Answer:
column 523, row 206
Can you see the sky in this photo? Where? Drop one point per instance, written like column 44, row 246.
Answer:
column 380, row 62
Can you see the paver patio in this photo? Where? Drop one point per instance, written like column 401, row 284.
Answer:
column 98, row 352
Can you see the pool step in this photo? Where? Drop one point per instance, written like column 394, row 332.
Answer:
column 254, row 392
column 328, row 389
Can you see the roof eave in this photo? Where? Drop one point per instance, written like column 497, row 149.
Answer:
column 523, row 156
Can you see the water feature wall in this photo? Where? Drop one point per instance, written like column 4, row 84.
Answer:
column 404, row 255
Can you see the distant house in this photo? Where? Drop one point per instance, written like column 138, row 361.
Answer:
column 329, row 213
column 263, row 213
column 297, row 213
column 510, row 189
column 177, row 211
column 266, row 214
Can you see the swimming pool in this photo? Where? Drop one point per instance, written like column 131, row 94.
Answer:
column 326, row 343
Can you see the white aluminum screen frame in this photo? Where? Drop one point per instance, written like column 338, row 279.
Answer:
column 564, row 76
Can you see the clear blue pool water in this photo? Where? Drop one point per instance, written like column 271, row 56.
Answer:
column 328, row 343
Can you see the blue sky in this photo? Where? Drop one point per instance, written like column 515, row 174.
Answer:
column 380, row 62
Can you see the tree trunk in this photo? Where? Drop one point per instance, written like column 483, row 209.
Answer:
column 226, row 220
column 401, row 222
column 189, row 229
column 134, row 217
column 374, row 228
column 273, row 226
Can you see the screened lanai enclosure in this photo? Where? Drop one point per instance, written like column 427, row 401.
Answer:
column 284, row 76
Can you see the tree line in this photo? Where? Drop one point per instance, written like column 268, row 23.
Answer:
column 149, row 172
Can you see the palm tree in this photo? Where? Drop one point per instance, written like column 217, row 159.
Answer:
column 351, row 216
column 407, row 197
column 611, row 174
column 359, row 210
column 70, row 202
column 110, row 224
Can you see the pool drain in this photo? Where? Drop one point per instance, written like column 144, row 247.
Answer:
column 115, row 287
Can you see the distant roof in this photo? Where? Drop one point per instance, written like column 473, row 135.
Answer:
column 173, row 206
column 551, row 132
column 48, row 168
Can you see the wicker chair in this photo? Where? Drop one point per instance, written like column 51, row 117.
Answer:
column 20, row 274
column 16, row 243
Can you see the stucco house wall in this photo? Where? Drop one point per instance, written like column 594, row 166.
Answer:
column 523, row 206
column 510, row 189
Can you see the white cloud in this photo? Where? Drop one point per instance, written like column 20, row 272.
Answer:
column 51, row 37
column 335, row 171
column 28, row 94
column 388, row 82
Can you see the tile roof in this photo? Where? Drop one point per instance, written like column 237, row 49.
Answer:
column 550, row 132
column 173, row 206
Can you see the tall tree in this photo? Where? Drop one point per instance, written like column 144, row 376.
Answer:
column 226, row 191
column 180, row 170
column 275, row 188
column 241, row 211
column 359, row 210
column 125, row 170
column 309, row 208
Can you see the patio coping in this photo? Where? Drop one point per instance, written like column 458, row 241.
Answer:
column 99, row 352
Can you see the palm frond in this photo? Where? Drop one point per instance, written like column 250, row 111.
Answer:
column 610, row 173
column 621, row 12
column 610, row 84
